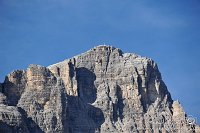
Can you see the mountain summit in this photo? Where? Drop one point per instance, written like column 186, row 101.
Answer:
column 100, row 91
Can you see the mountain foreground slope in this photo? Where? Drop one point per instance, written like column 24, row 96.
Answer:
column 100, row 91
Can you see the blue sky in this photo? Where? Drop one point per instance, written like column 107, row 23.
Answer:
column 48, row 31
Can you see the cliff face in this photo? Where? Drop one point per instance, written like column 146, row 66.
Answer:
column 102, row 90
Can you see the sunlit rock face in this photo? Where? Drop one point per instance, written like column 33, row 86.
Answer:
column 100, row 91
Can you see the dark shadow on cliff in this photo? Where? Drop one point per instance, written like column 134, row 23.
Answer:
column 11, row 91
column 82, row 116
column 150, row 95
column 5, row 128
column 27, row 125
column 31, row 125
column 86, row 88
column 119, row 106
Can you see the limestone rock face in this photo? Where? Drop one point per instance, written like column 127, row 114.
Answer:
column 102, row 90
column 197, row 129
column 11, row 120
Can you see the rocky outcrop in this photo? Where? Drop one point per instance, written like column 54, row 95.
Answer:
column 11, row 119
column 197, row 129
column 102, row 90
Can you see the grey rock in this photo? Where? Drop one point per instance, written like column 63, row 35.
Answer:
column 102, row 90
column 11, row 120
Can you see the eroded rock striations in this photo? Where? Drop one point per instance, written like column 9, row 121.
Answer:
column 100, row 91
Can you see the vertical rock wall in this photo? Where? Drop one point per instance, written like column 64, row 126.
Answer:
column 102, row 90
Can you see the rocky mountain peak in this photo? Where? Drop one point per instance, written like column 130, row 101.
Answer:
column 102, row 90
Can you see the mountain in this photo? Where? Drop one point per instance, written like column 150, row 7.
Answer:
column 100, row 91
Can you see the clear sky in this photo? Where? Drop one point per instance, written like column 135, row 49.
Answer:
column 48, row 31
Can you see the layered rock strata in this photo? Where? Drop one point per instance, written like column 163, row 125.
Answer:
column 102, row 90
